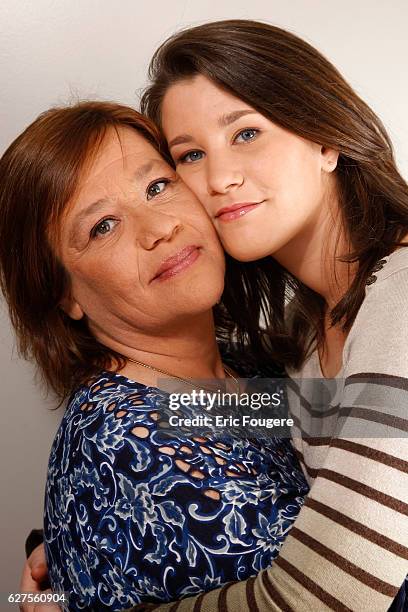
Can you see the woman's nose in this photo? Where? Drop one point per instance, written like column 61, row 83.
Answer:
column 223, row 175
column 154, row 227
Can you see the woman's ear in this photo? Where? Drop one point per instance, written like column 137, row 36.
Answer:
column 71, row 307
column 329, row 158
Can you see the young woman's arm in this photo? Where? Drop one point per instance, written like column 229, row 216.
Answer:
column 348, row 549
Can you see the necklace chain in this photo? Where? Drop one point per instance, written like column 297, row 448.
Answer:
column 227, row 371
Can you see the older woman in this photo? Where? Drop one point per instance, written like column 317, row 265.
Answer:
column 111, row 270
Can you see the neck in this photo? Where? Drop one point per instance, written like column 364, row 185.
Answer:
column 313, row 257
column 188, row 350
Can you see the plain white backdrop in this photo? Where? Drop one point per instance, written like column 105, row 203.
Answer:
column 54, row 51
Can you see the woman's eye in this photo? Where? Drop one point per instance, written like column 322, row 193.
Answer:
column 155, row 188
column 246, row 135
column 103, row 227
column 191, row 157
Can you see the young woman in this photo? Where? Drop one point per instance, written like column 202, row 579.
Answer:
column 111, row 269
column 298, row 176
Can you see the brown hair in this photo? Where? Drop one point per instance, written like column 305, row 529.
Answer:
column 293, row 85
column 39, row 174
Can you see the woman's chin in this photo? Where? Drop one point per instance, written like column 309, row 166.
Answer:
column 201, row 298
column 245, row 253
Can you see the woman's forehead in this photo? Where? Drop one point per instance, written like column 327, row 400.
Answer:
column 121, row 166
column 121, row 173
column 122, row 150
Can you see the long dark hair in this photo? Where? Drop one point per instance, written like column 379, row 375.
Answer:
column 293, row 85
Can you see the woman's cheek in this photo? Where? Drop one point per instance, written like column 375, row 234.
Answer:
column 193, row 178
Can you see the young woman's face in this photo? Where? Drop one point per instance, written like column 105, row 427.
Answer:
column 263, row 187
column 139, row 249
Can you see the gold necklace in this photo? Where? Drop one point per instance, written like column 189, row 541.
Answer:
column 227, row 371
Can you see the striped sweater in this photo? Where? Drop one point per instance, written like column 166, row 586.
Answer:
column 348, row 549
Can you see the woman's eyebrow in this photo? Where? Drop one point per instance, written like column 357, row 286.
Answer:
column 86, row 212
column 182, row 139
column 229, row 118
column 142, row 171
column 223, row 121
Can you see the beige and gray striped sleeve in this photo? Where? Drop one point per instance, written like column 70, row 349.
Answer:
column 348, row 549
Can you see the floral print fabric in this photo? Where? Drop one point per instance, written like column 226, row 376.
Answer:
column 135, row 512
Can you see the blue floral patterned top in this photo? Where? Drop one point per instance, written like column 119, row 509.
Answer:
column 136, row 513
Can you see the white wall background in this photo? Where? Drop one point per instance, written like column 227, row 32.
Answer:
column 54, row 50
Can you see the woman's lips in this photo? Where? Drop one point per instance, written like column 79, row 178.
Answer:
column 229, row 213
column 176, row 264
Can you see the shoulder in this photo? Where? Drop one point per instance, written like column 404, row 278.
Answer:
column 111, row 393
column 390, row 265
column 378, row 339
column 102, row 417
column 386, row 292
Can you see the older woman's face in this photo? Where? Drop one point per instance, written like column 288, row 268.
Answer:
column 140, row 251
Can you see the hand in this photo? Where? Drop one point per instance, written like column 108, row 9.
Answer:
column 35, row 570
column 35, row 574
